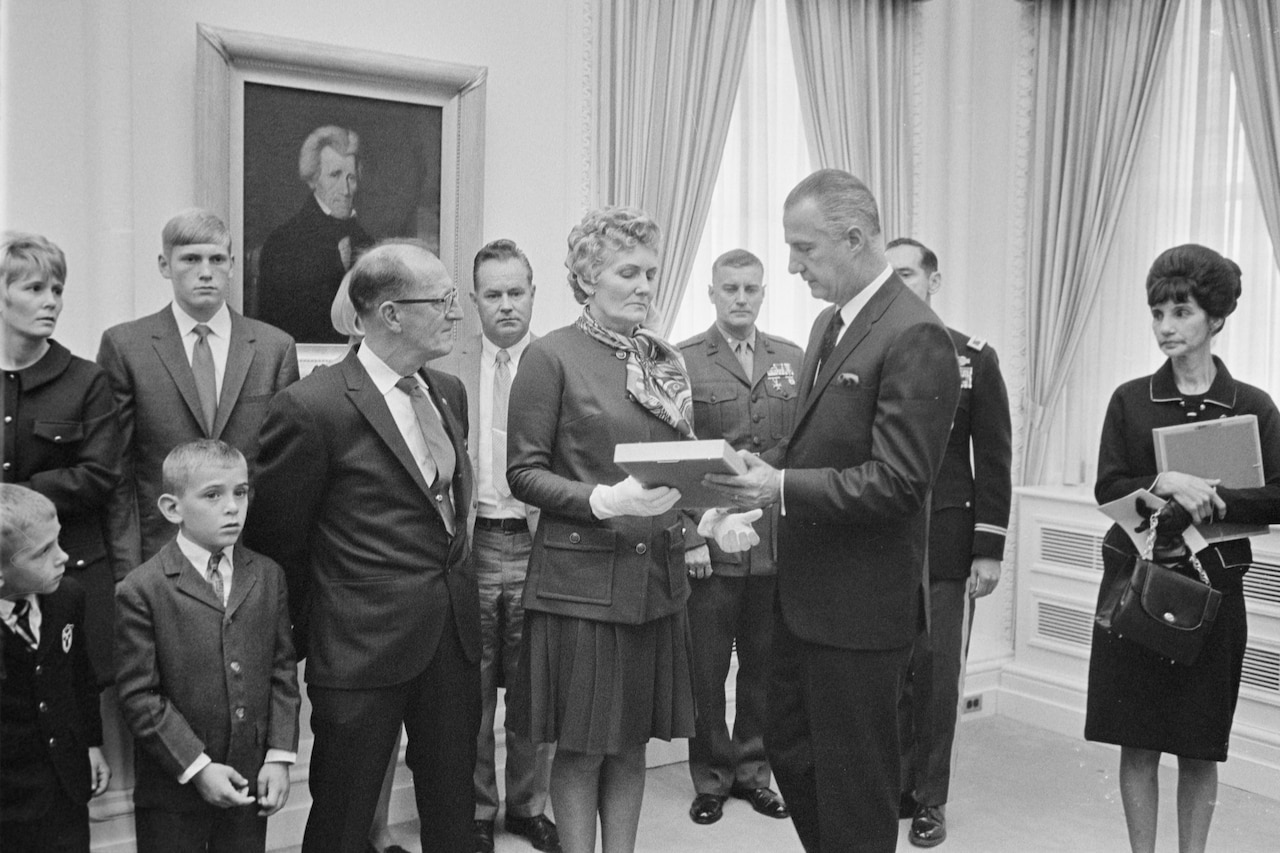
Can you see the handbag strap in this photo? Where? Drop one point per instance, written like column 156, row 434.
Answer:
column 1151, row 546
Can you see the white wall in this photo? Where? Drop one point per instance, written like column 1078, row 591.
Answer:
column 99, row 110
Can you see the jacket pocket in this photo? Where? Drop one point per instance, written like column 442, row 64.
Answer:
column 59, row 432
column 577, row 564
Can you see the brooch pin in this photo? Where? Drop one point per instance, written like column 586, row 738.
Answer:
column 848, row 380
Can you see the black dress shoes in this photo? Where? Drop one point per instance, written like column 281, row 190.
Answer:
column 484, row 836
column 707, row 808
column 928, row 827
column 763, row 800
column 539, row 830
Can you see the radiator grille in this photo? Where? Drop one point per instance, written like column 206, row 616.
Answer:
column 1262, row 583
column 1065, row 624
column 1261, row 669
column 1070, row 548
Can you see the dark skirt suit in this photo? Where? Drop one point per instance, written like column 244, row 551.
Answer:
column 605, row 663
column 1136, row 699
column 60, row 438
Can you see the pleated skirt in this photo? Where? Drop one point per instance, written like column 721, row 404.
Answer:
column 601, row 687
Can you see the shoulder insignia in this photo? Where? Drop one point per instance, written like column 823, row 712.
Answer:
column 976, row 344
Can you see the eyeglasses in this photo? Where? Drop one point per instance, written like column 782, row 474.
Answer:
column 449, row 301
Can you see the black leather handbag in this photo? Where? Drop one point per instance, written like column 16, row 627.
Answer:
column 1162, row 609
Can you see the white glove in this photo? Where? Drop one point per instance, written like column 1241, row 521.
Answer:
column 630, row 497
column 731, row 530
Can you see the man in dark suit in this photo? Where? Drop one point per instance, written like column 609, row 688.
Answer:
column 195, row 369
column 303, row 261
column 362, row 497
column 877, row 394
column 502, row 539
column 745, row 388
column 967, row 527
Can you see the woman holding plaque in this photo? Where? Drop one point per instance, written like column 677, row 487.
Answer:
column 1137, row 700
column 604, row 662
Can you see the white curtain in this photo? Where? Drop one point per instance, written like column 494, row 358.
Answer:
column 1096, row 70
column 765, row 155
column 853, row 64
column 668, row 77
column 1193, row 182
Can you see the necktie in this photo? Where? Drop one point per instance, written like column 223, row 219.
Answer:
column 21, row 613
column 829, row 338
column 439, row 449
column 215, row 577
column 501, row 393
column 743, row 350
column 206, row 379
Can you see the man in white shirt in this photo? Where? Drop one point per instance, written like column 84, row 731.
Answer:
column 502, row 539
column 194, row 369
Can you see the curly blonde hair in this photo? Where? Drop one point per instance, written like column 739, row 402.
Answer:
column 600, row 235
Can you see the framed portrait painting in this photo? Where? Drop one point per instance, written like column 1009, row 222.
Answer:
column 314, row 152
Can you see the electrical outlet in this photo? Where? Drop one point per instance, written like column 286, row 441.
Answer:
column 973, row 704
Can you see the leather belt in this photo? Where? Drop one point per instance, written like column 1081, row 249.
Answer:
column 506, row 525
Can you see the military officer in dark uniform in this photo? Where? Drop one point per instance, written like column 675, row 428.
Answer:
column 745, row 390
column 970, row 514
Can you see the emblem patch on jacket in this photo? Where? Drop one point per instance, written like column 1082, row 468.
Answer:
column 966, row 372
column 68, row 632
column 780, row 372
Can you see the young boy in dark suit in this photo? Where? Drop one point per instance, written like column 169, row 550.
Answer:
column 206, row 668
column 50, row 731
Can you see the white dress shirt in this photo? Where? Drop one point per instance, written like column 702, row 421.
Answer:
column 385, row 379
column 219, row 339
column 491, row 504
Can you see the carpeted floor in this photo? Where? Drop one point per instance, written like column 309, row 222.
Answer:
column 1016, row 789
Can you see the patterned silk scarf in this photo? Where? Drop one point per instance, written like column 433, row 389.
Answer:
column 656, row 378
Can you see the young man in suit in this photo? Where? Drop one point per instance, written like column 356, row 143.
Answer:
column 195, row 369
column 501, row 542
column 745, row 390
column 878, row 392
column 50, row 731
column 967, row 526
column 206, row 672
column 363, row 495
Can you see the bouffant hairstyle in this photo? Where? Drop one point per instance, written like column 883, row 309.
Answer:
column 1195, row 271
column 24, row 256
column 599, row 236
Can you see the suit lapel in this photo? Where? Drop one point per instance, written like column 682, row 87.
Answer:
column 240, row 355
column 469, row 373
column 167, row 341
column 178, row 568
column 370, row 404
column 244, row 578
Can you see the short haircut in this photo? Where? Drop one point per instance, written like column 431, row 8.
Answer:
column 24, row 256
column 383, row 273
column 928, row 260
column 600, row 235
column 185, row 460
column 499, row 250
column 343, row 141
column 20, row 510
column 736, row 259
column 844, row 200
column 1196, row 271
column 195, row 225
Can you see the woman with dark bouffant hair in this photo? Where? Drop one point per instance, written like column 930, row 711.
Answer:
column 1137, row 700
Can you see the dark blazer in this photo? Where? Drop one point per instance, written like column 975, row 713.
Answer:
column 342, row 505
column 60, row 437
column 867, row 445
column 159, row 408
column 750, row 412
column 976, row 487
column 48, row 710
column 299, row 270
column 568, row 410
column 196, row 677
